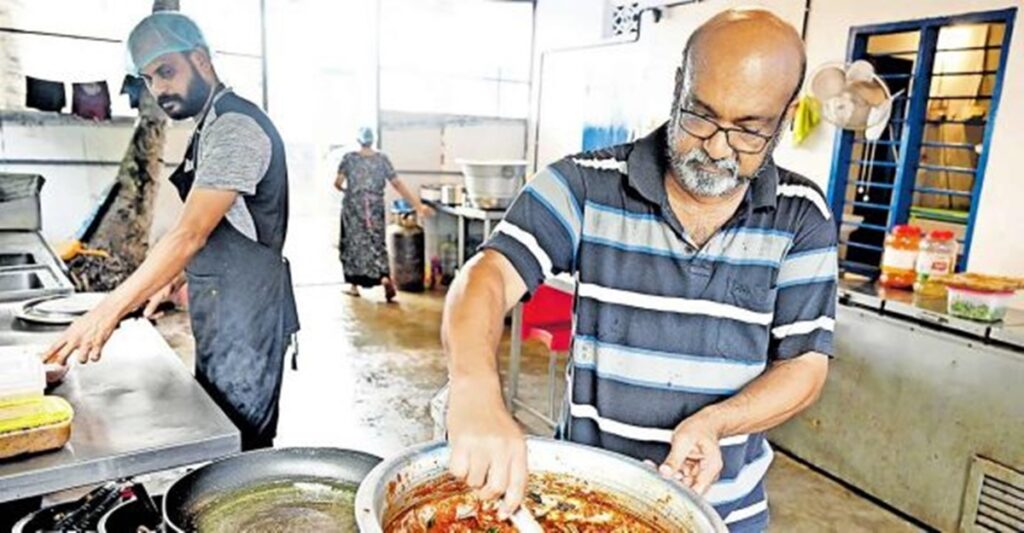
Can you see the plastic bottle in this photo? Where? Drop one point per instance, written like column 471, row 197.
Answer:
column 937, row 255
column 899, row 260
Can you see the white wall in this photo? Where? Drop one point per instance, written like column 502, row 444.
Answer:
column 420, row 144
column 232, row 30
column 453, row 54
column 78, row 157
column 651, row 62
column 560, row 24
column 628, row 84
column 42, row 146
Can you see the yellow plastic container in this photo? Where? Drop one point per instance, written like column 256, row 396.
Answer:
column 34, row 412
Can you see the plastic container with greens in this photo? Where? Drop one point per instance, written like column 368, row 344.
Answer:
column 983, row 306
column 979, row 297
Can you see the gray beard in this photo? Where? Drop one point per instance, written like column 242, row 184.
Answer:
column 687, row 169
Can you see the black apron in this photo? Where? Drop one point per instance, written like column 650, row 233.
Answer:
column 243, row 317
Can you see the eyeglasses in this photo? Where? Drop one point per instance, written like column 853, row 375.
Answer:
column 740, row 140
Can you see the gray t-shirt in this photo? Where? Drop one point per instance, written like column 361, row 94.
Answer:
column 234, row 153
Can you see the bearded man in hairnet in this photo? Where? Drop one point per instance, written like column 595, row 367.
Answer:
column 227, row 242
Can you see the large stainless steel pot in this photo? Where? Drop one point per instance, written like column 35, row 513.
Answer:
column 390, row 487
column 492, row 184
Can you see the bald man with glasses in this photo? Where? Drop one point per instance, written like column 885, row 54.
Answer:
column 706, row 284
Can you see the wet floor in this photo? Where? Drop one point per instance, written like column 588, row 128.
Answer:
column 367, row 371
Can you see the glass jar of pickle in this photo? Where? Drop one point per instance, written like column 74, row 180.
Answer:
column 899, row 260
column 937, row 255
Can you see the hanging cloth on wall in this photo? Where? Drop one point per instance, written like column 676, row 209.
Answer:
column 44, row 95
column 91, row 100
column 133, row 87
column 806, row 118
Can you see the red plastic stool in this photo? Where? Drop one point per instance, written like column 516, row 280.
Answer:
column 547, row 317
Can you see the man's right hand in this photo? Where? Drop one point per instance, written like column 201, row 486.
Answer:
column 87, row 335
column 488, row 447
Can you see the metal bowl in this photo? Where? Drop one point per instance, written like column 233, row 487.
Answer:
column 390, row 488
column 492, row 184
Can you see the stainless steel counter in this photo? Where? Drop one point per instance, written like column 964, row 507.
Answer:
column 138, row 410
column 932, row 312
column 914, row 397
column 1012, row 335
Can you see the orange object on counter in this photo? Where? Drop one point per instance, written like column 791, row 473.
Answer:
column 899, row 260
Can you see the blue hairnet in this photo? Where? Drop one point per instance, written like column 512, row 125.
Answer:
column 365, row 135
column 162, row 33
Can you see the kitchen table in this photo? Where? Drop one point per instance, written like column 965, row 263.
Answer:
column 464, row 214
column 138, row 410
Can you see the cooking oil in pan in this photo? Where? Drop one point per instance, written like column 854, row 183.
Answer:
column 278, row 507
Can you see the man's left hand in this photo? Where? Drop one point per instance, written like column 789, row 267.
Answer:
column 695, row 459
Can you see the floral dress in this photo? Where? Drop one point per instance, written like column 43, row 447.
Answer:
column 363, row 251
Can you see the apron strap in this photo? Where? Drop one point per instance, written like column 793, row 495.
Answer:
column 295, row 351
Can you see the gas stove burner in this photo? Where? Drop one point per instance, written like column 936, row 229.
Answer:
column 115, row 507
column 135, row 515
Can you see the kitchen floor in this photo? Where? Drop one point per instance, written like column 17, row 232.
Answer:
column 367, row 371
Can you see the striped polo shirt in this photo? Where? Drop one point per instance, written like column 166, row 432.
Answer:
column 663, row 327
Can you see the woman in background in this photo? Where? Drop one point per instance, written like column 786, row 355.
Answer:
column 362, row 176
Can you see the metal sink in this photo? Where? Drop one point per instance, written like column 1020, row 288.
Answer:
column 20, row 281
column 28, row 281
column 16, row 259
column 29, row 268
